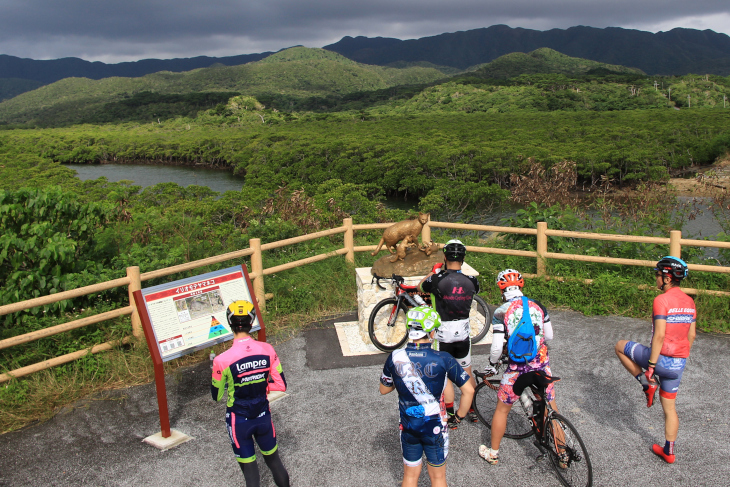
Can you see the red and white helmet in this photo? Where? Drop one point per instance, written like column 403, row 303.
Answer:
column 508, row 278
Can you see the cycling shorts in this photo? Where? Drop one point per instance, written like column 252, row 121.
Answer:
column 434, row 442
column 461, row 351
column 669, row 369
column 242, row 431
column 507, row 395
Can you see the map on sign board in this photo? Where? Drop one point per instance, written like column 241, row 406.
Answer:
column 190, row 314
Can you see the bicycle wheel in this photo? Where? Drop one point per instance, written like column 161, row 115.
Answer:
column 480, row 319
column 567, row 452
column 485, row 402
column 387, row 325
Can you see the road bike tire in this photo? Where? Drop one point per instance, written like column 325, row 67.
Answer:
column 485, row 402
column 577, row 471
column 480, row 319
column 387, row 326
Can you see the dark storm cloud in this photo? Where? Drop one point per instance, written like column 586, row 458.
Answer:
column 116, row 30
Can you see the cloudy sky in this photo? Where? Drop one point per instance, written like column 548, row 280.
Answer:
column 129, row 30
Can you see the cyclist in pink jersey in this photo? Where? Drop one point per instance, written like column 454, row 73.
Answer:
column 673, row 332
column 249, row 369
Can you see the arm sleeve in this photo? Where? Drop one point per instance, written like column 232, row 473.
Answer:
column 455, row 372
column 428, row 285
column 476, row 284
column 386, row 378
column 498, row 330
column 277, row 382
column 218, row 385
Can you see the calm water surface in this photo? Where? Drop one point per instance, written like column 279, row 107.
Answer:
column 704, row 225
column 148, row 175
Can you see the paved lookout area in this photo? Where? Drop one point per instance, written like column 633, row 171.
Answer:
column 335, row 429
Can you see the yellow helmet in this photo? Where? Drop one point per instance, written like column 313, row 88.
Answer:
column 241, row 314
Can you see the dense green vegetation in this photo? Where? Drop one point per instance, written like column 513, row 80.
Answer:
column 298, row 71
column 316, row 149
column 10, row 87
column 544, row 61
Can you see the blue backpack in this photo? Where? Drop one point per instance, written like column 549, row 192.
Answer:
column 522, row 343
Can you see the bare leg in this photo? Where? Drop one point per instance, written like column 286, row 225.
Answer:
column 438, row 475
column 499, row 423
column 671, row 420
column 410, row 475
column 628, row 364
column 471, row 376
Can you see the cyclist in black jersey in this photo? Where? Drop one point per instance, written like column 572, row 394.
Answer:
column 452, row 295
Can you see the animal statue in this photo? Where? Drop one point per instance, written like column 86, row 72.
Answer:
column 429, row 248
column 400, row 253
column 398, row 231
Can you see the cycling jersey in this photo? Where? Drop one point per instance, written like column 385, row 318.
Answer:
column 505, row 320
column 419, row 375
column 453, row 294
column 679, row 311
column 249, row 369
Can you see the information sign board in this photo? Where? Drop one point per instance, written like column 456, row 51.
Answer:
column 190, row 314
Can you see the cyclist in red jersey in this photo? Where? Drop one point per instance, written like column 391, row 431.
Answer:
column 674, row 319
column 249, row 370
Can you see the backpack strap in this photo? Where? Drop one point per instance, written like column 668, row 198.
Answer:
column 525, row 312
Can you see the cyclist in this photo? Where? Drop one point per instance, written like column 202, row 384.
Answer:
column 673, row 333
column 419, row 374
column 452, row 294
column 505, row 321
column 250, row 369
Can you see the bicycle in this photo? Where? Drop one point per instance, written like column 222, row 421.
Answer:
column 387, row 322
column 555, row 436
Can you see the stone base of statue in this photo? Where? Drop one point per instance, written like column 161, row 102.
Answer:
column 369, row 294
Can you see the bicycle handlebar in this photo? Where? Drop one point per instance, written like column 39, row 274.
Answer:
column 396, row 279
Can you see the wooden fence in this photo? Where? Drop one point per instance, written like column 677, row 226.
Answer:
column 133, row 280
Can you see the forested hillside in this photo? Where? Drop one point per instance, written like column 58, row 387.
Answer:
column 298, row 72
column 676, row 52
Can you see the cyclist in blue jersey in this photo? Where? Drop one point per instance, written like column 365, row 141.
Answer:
column 419, row 375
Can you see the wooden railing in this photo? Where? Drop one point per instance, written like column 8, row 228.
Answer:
column 133, row 280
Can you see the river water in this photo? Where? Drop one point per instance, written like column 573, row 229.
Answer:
column 703, row 225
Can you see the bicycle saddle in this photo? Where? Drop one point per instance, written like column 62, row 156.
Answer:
column 537, row 378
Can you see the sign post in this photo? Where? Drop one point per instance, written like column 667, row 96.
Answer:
column 184, row 316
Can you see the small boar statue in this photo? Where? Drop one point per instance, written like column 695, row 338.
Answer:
column 398, row 231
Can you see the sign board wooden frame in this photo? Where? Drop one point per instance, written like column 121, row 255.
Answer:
column 187, row 315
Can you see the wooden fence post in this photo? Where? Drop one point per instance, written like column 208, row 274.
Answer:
column 541, row 248
column 426, row 232
column 257, row 266
column 675, row 249
column 349, row 240
column 135, row 284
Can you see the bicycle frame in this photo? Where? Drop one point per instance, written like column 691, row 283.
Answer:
column 403, row 292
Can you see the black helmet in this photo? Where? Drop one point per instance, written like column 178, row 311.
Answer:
column 675, row 267
column 241, row 315
column 454, row 250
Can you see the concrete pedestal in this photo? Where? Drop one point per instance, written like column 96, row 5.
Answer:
column 369, row 294
column 176, row 438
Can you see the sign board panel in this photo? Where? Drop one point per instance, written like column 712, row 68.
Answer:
column 190, row 314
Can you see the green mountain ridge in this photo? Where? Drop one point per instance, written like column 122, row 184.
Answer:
column 298, row 71
column 542, row 61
